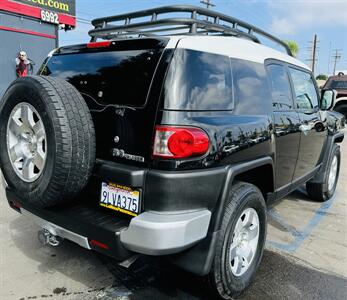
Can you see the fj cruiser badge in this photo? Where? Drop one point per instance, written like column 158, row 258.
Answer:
column 120, row 153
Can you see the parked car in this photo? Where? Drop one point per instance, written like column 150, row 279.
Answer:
column 168, row 145
column 338, row 83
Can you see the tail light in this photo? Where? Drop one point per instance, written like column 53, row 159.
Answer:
column 102, row 44
column 179, row 142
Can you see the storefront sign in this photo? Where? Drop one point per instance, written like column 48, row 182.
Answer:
column 51, row 11
column 60, row 6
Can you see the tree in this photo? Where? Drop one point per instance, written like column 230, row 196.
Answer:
column 322, row 77
column 293, row 46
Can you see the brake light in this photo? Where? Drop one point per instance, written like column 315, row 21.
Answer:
column 179, row 142
column 102, row 44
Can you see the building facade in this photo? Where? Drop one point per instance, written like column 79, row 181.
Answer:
column 31, row 26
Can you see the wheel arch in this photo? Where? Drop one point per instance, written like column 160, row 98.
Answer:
column 331, row 140
column 261, row 176
column 245, row 172
column 202, row 254
column 339, row 101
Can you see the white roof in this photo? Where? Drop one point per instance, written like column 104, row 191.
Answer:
column 233, row 47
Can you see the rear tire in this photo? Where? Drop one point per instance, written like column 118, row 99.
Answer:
column 325, row 190
column 227, row 278
column 68, row 150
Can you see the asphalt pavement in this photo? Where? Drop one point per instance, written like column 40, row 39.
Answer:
column 305, row 258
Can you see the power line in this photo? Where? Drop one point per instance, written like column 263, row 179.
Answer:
column 84, row 21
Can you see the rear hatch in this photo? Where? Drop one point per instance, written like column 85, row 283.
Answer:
column 120, row 82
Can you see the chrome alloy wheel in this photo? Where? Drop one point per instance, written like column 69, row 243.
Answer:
column 26, row 142
column 245, row 242
column 332, row 173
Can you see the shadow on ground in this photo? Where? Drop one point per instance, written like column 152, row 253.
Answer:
column 277, row 278
column 148, row 278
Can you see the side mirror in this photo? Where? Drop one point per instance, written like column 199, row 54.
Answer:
column 328, row 99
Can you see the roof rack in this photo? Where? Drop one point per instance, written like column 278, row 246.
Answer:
column 152, row 22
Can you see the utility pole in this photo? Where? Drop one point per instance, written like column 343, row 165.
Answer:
column 208, row 5
column 329, row 55
column 336, row 57
column 314, row 52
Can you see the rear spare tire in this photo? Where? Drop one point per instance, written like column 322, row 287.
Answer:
column 47, row 140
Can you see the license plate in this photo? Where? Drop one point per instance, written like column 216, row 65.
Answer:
column 120, row 198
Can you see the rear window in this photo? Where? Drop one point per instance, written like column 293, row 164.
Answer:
column 112, row 77
column 198, row 81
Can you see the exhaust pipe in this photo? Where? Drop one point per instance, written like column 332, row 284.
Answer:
column 46, row 237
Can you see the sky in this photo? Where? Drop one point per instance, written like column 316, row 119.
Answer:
column 297, row 20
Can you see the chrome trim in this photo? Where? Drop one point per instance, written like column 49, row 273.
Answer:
column 57, row 230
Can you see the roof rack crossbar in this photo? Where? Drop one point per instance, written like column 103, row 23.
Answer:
column 194, row 24
column 110, row 31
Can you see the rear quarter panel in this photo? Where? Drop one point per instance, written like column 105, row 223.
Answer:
column 233, row 137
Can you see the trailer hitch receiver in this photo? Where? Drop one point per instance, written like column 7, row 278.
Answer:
column 46, row 237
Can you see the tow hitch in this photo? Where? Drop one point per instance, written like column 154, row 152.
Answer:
column 46, row 237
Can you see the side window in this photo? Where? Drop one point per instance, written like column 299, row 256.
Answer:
column 280, row 87
column 251, row 88
column 305, row 91
column 198, row 81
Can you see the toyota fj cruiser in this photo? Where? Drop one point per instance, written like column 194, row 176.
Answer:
column 169, row 137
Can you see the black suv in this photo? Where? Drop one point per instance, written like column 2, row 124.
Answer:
column 168, row 145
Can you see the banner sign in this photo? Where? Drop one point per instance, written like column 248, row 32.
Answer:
column 60, row 6
column 52, row 11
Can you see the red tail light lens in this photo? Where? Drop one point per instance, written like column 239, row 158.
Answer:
column 179, row 142
column 103, row 44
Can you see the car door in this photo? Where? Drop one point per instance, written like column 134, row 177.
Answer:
column 312, row 126
column 286, row 127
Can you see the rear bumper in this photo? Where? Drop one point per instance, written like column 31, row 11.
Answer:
column 160, row 234
column 177, row 209
column 149, row 233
